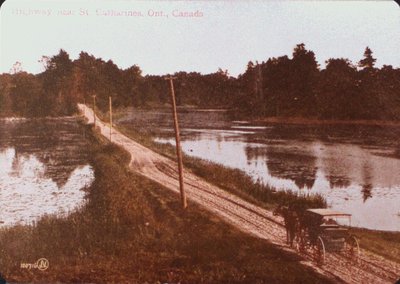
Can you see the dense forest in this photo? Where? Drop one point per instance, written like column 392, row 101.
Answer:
column 286, row 86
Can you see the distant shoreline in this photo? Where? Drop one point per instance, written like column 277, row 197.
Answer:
column 309, row 121
column 274, row 120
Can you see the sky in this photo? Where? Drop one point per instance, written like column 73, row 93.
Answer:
column 224, row 34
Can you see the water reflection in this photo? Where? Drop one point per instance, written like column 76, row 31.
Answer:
column 351, row 177
column 298, row 164
column 367, row 181
column 58, row 143
column 26, row 193
column 355, row 167
column 44, row 167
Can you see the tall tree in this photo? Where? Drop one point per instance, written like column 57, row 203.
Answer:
column 277, row 81
column 338, row 92
column 246, row 101
column 58, row 97
column 25, row 94
column 86, row 76
column 132, row 82
column 5, row 99
column 303, row 76
column 368, row 61
column 370, row 101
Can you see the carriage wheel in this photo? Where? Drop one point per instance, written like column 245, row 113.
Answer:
column 352, row 248
column 319, row 251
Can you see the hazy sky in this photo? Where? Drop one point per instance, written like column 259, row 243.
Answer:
column 228, row 34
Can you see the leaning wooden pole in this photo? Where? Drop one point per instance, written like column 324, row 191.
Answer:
column 110, row 103
column 178, row 143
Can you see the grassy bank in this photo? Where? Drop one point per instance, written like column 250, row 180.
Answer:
column 132, row 230
column 386, row 244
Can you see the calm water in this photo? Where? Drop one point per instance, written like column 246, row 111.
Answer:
column 43, row 169
column 356, row 168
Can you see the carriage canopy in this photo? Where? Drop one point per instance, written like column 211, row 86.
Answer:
column 328, row 212
column 325, row 214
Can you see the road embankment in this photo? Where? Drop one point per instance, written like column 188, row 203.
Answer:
column 245, row 216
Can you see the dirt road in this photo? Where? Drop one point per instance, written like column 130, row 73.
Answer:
column 244, row 215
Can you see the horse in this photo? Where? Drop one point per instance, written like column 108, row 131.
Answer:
column 290, row 219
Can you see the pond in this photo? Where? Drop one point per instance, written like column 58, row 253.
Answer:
column 44, row 167
column 356, row 168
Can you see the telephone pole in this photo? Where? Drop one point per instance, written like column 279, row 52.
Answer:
column 94, row 113
column 110, row 103
column 178, row 143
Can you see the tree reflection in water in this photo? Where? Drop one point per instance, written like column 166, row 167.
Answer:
column 44, row 166
column 57, row 143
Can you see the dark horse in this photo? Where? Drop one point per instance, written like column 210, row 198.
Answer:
column 290, row 219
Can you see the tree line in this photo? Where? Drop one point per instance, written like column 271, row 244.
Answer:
column 285, row 86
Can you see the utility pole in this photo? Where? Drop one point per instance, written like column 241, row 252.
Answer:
column 110, row 103
column 94, row 113
column 178, row 143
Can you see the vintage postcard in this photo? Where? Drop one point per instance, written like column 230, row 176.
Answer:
column 199, row 141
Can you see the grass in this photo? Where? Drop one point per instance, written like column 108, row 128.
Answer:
column 386, row 244
column 132, row 230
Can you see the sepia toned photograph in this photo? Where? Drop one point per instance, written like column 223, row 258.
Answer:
column 199, row 141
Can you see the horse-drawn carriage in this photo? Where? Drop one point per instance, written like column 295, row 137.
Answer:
column 320, row 231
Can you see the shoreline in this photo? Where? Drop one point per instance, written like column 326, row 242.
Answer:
column 271, row 119
column 309, row 121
